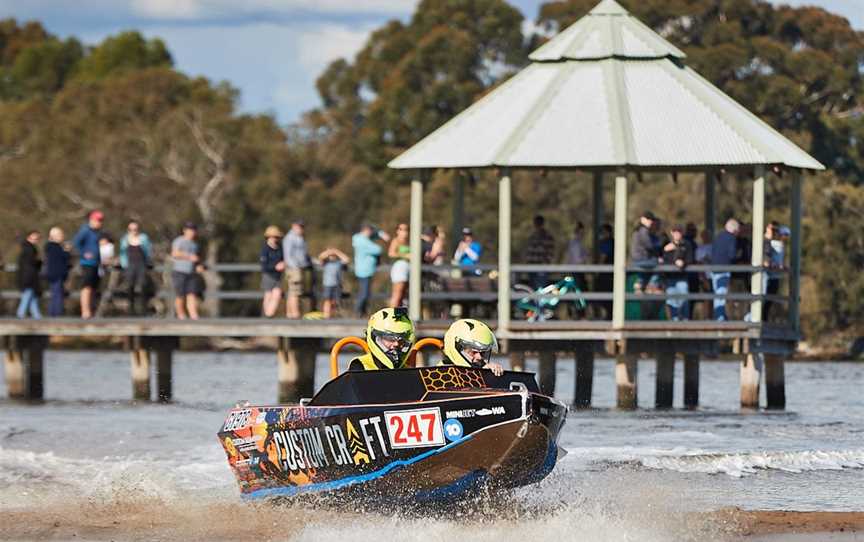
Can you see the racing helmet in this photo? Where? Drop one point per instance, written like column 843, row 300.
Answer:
column 469, row 334
column 390, row 335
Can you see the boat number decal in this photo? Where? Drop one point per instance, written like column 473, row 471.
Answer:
column 415, row 428
column 453, row 430
column 237, row 420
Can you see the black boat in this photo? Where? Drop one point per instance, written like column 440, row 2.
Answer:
column 426, row 434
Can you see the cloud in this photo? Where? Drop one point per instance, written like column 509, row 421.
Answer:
column 318, row 46
column 217, row 9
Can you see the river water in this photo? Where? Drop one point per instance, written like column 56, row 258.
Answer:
column 89, row 463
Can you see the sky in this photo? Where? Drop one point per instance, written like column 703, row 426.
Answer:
column 272, row 50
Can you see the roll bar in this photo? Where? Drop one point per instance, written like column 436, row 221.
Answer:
column 334, row 352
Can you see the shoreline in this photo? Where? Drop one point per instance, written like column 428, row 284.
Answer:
column 770, row 524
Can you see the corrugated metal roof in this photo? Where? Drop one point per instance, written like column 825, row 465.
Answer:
column 607, row 31
column 610, row 111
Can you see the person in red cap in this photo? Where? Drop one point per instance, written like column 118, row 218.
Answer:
column 86, row 243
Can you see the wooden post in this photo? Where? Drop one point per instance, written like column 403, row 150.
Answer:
column 548, row 362
column 710, row 205
column 619, row 279
column 691, row 380
column 599, row 213
column 758, row 244
column 504, row 227
column 458, row 210
column 626, row 372
column 775, row 382
column 665, row 393
column 584, row 385
column 414, row 285
column 165, row 347
column 140, row 363
column 795, row 254
column 16, row 374
column 296, row 373
column 751, row 373
column 517, row 360
column 24, row 367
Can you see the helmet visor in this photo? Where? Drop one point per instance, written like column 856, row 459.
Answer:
column 476, row 353
column 394, row 345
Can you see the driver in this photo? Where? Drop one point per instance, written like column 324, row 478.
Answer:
column 470, row 343
column 390, row 335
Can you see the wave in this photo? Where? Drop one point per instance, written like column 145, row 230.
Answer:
column 748, row 463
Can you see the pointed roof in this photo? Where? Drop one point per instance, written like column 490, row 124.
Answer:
column 606, row 92
column 607, row 31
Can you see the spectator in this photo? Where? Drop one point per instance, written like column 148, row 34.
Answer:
column 723, row 251
column 86, row 243
column 366, row 255
column 184, row 261
column 399, row 252
column 29, row 265
column 775, row 259
column 605, row 256
column 107, row 253
column 468, row 251
column 539, row 250
column 135, row 260
column 333, row 262
column 56, row 270
column 433, row 246
column 677, row 252
column 703, row 257
column 577, row 255
column 642, row 251
column 272, row 265
column 297, row 261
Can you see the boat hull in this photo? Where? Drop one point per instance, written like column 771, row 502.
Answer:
column 444, row 447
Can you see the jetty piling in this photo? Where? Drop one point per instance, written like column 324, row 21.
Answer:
column 691, row 380
column 24, row 366
column 584, row 382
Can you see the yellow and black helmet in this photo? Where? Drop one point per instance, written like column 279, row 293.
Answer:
column 469, row 335
column 390, row 335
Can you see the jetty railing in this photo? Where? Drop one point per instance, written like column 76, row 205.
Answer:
column 473, row 288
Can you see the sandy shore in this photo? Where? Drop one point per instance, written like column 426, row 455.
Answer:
column 770, row 525
column 228, row 522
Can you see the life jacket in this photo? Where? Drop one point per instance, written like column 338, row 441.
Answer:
column 369, row 363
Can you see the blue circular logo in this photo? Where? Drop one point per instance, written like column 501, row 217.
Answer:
column 453, row 430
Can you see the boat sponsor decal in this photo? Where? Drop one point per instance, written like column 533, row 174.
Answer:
column 472, row 412
column 416, row 428
column 453, row 429
column 237, row 419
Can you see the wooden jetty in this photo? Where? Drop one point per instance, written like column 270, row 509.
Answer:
column 152, row 342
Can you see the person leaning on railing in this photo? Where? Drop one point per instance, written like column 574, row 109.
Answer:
column 723, row 252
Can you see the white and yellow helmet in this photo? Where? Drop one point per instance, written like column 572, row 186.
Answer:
column 469, row 334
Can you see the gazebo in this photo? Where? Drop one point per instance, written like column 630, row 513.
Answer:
column 609, row 96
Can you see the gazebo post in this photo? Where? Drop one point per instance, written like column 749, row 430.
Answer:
column 795, row 254
column 599, row 213
column 758, row 243
column 414, row 285
column 619, row 278
column 710, row 209
column 458, row 209
column 504, row 229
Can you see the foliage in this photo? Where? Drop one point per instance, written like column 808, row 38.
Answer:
column 115, row 126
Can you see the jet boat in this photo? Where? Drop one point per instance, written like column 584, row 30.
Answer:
column 425, row 434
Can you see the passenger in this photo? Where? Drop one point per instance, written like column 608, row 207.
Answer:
column 470, row 343
column 390, row 335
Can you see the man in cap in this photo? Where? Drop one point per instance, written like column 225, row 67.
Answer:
column 184, row 260
column 468, row 251
column 366, row 255
column 86, row 243
column 642, row 252
column 297, row 260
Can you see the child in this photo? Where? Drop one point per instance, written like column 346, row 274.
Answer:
column 333, row 262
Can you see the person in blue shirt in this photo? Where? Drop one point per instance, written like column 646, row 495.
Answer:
column 366, row 255
column 86, row 243
column 135, row 260
column 468, row 251
column 723, row 251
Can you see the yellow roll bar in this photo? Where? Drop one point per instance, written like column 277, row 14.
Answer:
column 334, row 352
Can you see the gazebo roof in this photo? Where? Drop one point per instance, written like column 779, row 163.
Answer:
column 606, row 92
